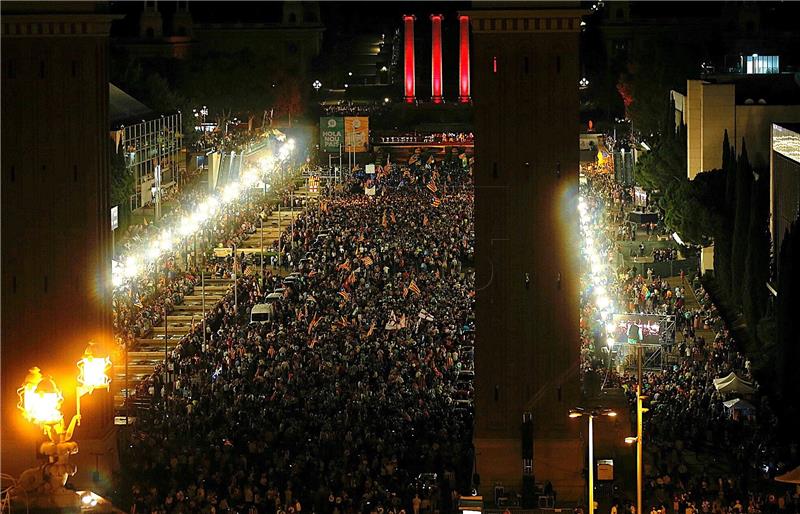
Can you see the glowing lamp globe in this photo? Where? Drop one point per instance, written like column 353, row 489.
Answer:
column 93, row 371
column 40, row 400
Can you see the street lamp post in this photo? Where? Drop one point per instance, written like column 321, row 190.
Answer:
column 40, row 402
column 591, row 414
column 639, row 439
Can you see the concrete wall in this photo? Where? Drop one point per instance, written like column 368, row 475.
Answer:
column 718, row 115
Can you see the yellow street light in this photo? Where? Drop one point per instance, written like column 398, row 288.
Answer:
column 591, row 414
column 93, row 371
column 40, row 400
column 93, row 375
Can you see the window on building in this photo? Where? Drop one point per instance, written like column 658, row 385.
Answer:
column 762, row 64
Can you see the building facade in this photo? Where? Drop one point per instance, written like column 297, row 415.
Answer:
column 784, row 179
column 745, row 106
column 525, row 91
column 56, row 234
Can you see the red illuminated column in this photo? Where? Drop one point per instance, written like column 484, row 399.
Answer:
column 410, row 89
column 463, row 60
column 436, row 58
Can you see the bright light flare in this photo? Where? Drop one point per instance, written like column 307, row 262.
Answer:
column 93, row 371
column 40, row 400
column 193, row 222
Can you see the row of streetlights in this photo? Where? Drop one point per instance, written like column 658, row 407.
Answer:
column 599, row 278
column 189, row 225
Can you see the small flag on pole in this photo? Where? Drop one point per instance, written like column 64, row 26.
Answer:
column 432, row 187
column 436, row 202
column 313, row 323
column 367, row 261
column 344, row 266
column 414, row 288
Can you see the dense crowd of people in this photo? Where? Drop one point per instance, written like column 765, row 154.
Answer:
column 352, row 390
column 146, row 299
column 686, row 411
column 665, row 254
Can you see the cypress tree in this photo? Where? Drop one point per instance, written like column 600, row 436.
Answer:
column 754, row 294
column 722, row 239
column 729, row 166
column 744, row 179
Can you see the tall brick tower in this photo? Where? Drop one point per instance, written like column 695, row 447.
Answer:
column 525, row 91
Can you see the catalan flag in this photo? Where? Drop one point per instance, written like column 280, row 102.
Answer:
column 351, row 279
column 414, row 288
column 405, row 292
column 436, row 202
column 345, row 295
column 432, row 187
column 371, row 328
column 313, row 323
column 344, row 266
column 367, row 261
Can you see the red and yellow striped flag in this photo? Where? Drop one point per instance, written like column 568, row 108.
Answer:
column 371, row 328
column 414, row 288
column 345, row 295
column 432, row 187
column 313, row 323
column 436, row 202
column 367, row 261
column 344, row 266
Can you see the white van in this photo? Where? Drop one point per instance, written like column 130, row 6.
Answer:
column 262, row 313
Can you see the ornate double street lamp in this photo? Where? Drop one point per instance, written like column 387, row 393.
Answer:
column 40, row 402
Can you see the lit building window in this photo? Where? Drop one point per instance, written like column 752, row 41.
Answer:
column 761, row 64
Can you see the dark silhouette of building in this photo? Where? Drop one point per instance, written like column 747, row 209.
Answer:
column 525, row 91
column 56, row 234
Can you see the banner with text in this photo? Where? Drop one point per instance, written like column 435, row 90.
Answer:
column 356, row 133
column 331, row 134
